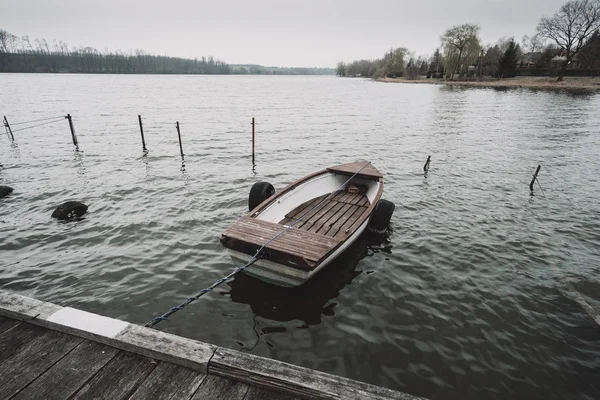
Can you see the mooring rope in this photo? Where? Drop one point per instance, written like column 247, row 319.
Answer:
column 257, row 256
column 35, row 126
column 36, row 120
column 538, row 181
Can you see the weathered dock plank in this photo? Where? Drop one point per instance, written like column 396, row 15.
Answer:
column 169, row 381
column 69, row 374
column 120, row 334
column 260, row 393
column 294, row 380
column 11, row 344
column 25, row 308
column 165, row 347
column 6, row 324
column 48, row 356
column 31, row 358
column 118, row 379
column 216, row 388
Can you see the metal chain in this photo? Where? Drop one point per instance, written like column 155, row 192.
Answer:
column 173, row 310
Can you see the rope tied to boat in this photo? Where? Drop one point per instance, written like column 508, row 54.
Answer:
column 257, row 256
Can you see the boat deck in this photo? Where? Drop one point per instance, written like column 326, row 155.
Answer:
column 320, row 228
column 330, row 218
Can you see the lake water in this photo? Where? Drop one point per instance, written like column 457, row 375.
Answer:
column 471, row 298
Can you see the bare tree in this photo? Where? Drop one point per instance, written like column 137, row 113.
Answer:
column 571, row 27
column 4, row 40
column 3, row 48
column 532, row 44
column 26, row 45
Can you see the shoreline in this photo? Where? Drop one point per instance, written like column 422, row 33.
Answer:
column 546, row 83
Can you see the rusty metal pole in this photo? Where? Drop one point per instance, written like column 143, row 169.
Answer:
column 253, row 140
column 68, row 117
column 534, row 177
column 179, row 135
column 8, row 130
column 426, row 166
column 142, row 132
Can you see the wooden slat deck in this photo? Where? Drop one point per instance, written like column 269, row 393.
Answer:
column 307, row 247
column 53, row 352
column 318, row 228
column 39, row 363
column 332, row 217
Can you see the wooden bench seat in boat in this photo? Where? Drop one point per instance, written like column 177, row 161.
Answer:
column 303, row 249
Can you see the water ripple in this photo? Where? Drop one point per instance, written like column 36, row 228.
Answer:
column 464, row 302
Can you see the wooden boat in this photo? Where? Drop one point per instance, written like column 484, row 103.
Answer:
column 309, row 223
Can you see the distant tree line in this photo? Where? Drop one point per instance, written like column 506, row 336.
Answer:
column 567, row 43
column 21, row 54
column 251, row 69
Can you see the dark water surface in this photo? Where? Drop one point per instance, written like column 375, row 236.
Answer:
column 466, row 301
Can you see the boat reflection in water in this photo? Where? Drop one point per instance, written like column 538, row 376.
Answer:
column 307, row 302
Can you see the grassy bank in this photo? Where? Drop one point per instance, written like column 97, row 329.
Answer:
column 574, row 83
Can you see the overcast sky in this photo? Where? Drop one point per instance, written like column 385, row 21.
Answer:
column 268, row 32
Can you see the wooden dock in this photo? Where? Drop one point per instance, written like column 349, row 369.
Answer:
column 53, row 352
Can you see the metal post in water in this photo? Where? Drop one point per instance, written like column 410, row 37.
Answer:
column 68, row 117
column 8, row 130
column 534, row 177
column 179, row 135
column 142, row 132
column 253, row 140
column 426, row 166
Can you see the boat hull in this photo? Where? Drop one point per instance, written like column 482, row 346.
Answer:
column 308, row 224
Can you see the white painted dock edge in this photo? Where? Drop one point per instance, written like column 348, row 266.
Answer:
column 120, row 334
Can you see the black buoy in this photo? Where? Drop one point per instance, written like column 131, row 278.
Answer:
column 5, row 191
column 71, row 210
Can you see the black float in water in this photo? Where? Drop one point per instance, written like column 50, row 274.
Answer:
column 381, row 216
column 5, row 191
column 259, row 192
column 534, row 177
column 426, row 166
column 71, row 210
